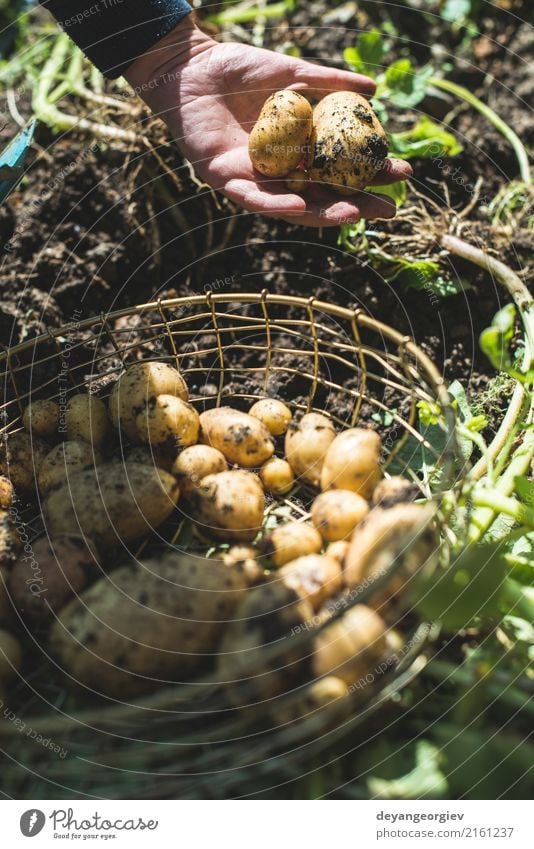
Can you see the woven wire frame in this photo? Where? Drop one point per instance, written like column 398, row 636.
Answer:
column 233, row 349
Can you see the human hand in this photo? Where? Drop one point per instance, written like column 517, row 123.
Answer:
column 210, row 96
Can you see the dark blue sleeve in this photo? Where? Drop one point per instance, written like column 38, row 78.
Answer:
column 113, row 33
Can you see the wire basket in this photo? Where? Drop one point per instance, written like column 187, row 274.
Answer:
column 232, row 349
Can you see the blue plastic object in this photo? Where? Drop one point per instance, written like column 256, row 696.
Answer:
column 12, row 160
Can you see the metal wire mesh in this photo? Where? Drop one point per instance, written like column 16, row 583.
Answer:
column 233, row 349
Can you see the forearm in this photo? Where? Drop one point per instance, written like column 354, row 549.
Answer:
column 114, row 33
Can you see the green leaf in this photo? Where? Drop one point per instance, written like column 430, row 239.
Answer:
column 425, row 274
column 495, row 340
column 395, row 191
column 405, row 86
column 424, row 781
column 425, row 139
column 468, row 590
column 366, row 57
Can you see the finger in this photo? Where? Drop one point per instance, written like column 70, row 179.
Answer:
column 366, row 204
column 391, row 171
column 333, row 212
column 252, row 197
column 317, row 80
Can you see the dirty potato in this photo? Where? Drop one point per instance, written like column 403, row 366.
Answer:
column 242, row 439
column 280, row 137
column 336, row 513
column 290, row 541
column 21, row 455
column 348, row 142
column 277, row 476
column 306, row 445
column 41, row 418
column 229, row 505
column 111, row 503
column 394, row 490
column 63, row 461
column 138, row 385
column 87, row 420
column 351, row 646
column 6, row 493
column 168, row 421
column 195, row 463
column 352, row 462
column 274, row 414
column 315, row 577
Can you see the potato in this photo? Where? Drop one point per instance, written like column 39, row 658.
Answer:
column 63, row 461
column 336, row 513
column 41, row 418
column 280, row 137
column 306, row 445
column 11, row 542
column 6, row 493
column 146, row 624
column 315, row 577
column 277, row 476
column 268, row 615
column 404, row 534
column 348, row 142
column 87, row 420
column 242, row 439
column 243, row 557
column 111, row 503
column 58, row 568
column 394, row 490
column 10, row 657
column 168, row 421
column 138, row 385
column 351, row 646
column 338, row 551
column 20, row 458
column 195, row 463
column 290, row 541
column 229, row 505
column 273, row 413
column 353, row 462
column 312, row 700
column 298, row 181
column 147, row 455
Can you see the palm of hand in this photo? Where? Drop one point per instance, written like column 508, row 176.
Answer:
column 213, row 107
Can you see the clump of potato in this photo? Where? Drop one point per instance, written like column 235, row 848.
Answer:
column 404, row 534
column 290, row 541
column 21, row 455
column 195, row 463
column 111, row 503
column 306, row 445
column 168, row 421
column 86, row 418
column 10, row 539
column 348, row 142
column 137, row 387
column 58, row 568
column 242, row 438
column 350, row 646
column 10, row 657
column 280, row 137
column 229, row 505
column 277, row 476
column 275, row 415
column 41, row 418
column 147, row 624
column 315, row 577
column 6, row 493
column 63, row 461
column 352, row 462
column 336, row 513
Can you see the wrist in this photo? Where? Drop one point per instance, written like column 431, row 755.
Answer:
column 161, row 64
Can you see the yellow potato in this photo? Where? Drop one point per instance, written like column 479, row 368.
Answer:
column 351, row 646
column 138, row 385
column 336, row 513
column 274, row 414
column 280, row 137
column 229, row 506
column 147, row 624
column 87, row 420
column 348, row 142
column 394, row 490
column 315, row 577
column 298, row 181
column 352, row 462
column 111, row 503
column 243, row 558
column 21, row 456
column 290, row 541
column 318, row 696
column 242, row 439
column 277, row 476
column 63, row 461
column 195, row 463
column 41, row 418
column 338, row 551
column 6, row 492
column 168, row 421
column 306, row 445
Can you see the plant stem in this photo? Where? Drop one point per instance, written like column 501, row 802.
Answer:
column 240, row 15
column 493, row 118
